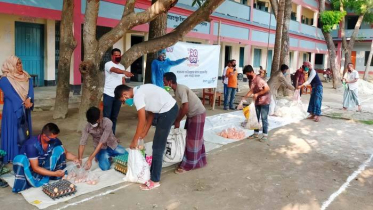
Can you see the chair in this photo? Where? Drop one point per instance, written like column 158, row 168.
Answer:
column 209, row 92
column 307, row 90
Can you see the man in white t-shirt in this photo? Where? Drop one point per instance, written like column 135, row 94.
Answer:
column 225, row 78
column 150, row 99
column 114, row 75
column 351, row 94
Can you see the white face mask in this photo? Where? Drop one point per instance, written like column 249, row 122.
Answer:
column 94, row 125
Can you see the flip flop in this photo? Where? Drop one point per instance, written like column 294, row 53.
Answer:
column 149, row 185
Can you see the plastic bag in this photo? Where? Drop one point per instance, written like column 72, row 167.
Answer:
column 81, row 175
column 232, row 133
column 272, row 106
column 92, row 178
column 138, row 169
column 175, row 146
column 246, row 112
column 296, row 96
column 253, row 122
column 240, row 105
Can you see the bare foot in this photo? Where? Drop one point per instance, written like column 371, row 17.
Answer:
column 311, row 117
column 344, row 108
column 317, row 119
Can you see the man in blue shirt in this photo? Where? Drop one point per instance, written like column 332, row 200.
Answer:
column 41, row 158
column 161, row 66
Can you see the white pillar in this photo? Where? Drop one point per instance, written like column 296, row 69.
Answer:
column 299, row 13
column 326, row 61
column 127, row 45
column 263, row 60
column 222, row 56
column 50, row 58
column 248, row 55
column 120, row 45
column 295, row 60
column 315, row 18
column 313, row 56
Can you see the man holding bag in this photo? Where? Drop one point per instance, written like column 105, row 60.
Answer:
column 260, row 91
column 194, row 155
column 150, row 99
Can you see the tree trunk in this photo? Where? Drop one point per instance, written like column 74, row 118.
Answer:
column 334, row 66
column 284, row 58
column 366, row 73
column 157, row 28
column 347, row 47
column 278, row 39
column 89, row 68
column 277, row 80
column 93, row 83
column 67, row 46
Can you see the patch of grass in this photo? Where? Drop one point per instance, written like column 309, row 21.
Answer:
column 367, row 122
column 335, row 115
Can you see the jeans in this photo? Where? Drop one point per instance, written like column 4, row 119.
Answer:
column 231, row 93
column 262, row 111
column 165, row 121
column 111, row 109
column 225, row 90
column 104, row 154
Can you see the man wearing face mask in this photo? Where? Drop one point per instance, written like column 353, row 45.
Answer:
column 161, row 66
column 149, row 100
column 105, row 143
column 314, row 106
column 114, row 75
column 42, row 158
column 232, row 86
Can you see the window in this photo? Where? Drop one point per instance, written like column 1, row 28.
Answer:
column 290, row 59
column 366, row 59
column 242, row 56
column 293, row 16
column 257, row 57
column 244, row 2
column 319, row 59
column 351, row 22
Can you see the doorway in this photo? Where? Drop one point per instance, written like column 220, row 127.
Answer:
column 29, row 47
column 137, row 66
column 228, row 53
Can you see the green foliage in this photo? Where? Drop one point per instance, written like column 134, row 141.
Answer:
column 331, row 19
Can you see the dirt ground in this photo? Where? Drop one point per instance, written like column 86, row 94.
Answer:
column 300, row 168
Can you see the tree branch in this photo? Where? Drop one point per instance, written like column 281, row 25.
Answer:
column 89, row 28
column 131, row 20
column 129, row 8
column 153, row 45
column 274, row 4
column 356, row 31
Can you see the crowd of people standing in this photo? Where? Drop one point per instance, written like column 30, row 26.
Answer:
column 37, row 159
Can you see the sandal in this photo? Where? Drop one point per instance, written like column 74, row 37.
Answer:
column 254, row 136
column 264, row 139
column 180, row 171
column 149, row 185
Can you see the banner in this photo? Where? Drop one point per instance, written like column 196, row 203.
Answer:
column 201, row 68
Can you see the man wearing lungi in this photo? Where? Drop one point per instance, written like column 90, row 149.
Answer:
column 42, row 158
column 351, row 94
column 191, row 106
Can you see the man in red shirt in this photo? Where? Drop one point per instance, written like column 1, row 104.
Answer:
column 260, row 91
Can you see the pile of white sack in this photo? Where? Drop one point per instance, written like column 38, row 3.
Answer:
column 365, row 87
column 290, row 109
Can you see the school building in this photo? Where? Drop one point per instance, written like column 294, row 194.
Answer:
column 30, row 30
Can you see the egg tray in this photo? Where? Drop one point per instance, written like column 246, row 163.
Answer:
column 59, row 189
column 121, row 159
column 122, row 168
